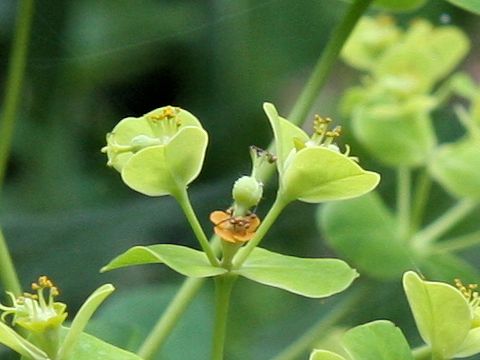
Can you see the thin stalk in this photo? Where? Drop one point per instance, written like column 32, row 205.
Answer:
column 306, row 342
column 326, row 61
column 170, row 317
column 444, row 223
column 422, row 353
column 298, row 114
column 266, row 224
column 420, row 200
column 458, row 243
column 223, row 291
column 403, row 201
column 184, row 201
column 15, row 75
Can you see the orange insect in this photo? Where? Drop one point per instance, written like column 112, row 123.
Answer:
column 234, row 229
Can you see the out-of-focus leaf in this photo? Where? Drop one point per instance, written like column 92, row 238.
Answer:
column 314, row 278
column 364, row 232
column 377, row 340
column 469, row 5
column 445, row 267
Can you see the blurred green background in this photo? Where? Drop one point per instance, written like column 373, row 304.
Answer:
column 93, row 62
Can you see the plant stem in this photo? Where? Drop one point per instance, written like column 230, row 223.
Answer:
column 223, row 290
column 326, row 61
column 16, row 71
column 422, row 353
column 266, row 224
column 420, row 201
column 403, row 201
column 184, row 201
column 170, row 317
column 306, row 342
column 298, row 114
column 458, row 243
column 444, row 223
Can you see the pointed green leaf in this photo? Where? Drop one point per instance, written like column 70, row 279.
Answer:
column 377, row 340
column 319, row 174
column 364, row 232
column 164, row 169
column 182, row 259
column 325, row 355
column 441, row 312
column 471, row 345
column 81, row 319
column 469, row 5
column 89, row 347
column 284, row 132
column 457, row 168
column 315, row 278
column 14, row 341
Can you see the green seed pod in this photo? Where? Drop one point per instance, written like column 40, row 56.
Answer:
column 247, row 192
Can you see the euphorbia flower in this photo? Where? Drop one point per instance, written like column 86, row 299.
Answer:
column 234, row 229
column 313, row 169
column 447, row 317
column 159, row 153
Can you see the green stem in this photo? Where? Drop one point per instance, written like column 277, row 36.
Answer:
column 420, row 201
column 223, row 291
column 16, row 71
column 444, row 223
column 170, row 317
column 266, row 224
column 422, row 353
column 184, row 201
column 298, row 114
column 458, row 243
column 403, row 201
column 326, row 61
column 307, row 341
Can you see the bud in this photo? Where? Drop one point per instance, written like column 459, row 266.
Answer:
column 247, row 192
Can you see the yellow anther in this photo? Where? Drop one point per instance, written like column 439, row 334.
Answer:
column 35, row 286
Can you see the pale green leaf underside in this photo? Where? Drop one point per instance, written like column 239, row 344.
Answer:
column 14, row 341
column 315, row 278
column 284, row 132
column 325, row 355
column 184, row 260
column 164, row 169
column 469, row 5
column 378, row 340
column 457, row 168
column 89, row 347
column 363, row 231
column 441, row 313
column 319, row 174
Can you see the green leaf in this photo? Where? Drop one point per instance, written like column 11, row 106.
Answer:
column 441, row 312
column 164, row 169
column 315, row 278
column 89, row 347
column 469, row 5
column 81, row 319
column 471, row 345
column 182, row 259
column 284, row 132
column 325, row 355
column 364, row 232
column 14, row 341
column 318, row 174
column 378, row 340
column 400, row 5
column 456, row 167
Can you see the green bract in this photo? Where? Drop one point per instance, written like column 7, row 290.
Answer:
column 313, row 169
column 159, row 153
column 390, row 111
column 447, row 318
column 377, row 340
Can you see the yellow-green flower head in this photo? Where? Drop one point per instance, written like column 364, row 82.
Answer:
column 313, row 169
column 158, row 153
column 36, row 312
